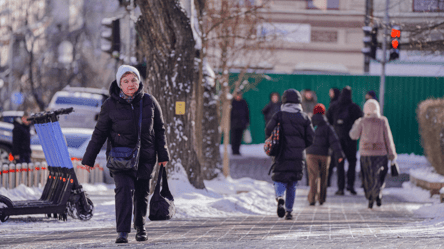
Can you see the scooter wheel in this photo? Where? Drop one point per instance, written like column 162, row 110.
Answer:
column 5, row 202
column 85, row 215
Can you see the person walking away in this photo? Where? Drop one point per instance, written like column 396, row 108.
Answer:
column 342, row 114
column 318, row 159
column 371, row 95
column 21, row 139
column 334, row 96
column 118, row 122
column 272, row 107
column 309, row 100
column 297, row 135
column 240, row 119
column 376, row 147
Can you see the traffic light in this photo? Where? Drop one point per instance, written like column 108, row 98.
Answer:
column 394, row 44
column 370, row 41
column 111, row 36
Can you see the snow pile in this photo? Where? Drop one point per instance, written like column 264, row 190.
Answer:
column 222, row 197
column 22, row 193
column 426, row 174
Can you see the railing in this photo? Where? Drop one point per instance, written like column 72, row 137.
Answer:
column 36, row 174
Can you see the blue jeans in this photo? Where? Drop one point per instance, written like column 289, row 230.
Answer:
column 290, row 187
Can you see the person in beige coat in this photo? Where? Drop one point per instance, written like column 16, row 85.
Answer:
column 376, row 147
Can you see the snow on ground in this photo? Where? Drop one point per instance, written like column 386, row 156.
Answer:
column 223, row 197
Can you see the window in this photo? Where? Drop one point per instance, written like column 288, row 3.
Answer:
column 316, row 4
column 428, row 5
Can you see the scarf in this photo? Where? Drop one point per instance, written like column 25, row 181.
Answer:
column 291, row 107
column 128, row 99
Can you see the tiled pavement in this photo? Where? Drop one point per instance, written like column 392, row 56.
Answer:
column 342, row 222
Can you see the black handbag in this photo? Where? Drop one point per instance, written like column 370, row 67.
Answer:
column 125, row 158
column 394, row 169
column 273, row 143
column 162, row 203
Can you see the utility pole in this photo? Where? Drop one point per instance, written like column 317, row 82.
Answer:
column 367, row 21
column 384, row 58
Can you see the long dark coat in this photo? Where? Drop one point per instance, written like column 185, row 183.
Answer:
column 118, row 121
column 240, row 117
column 298, row 135
column 343, row 113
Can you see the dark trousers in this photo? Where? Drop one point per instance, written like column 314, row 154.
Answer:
column 349, row 147
column 374, row 169
column 128, row 188
column 24, row 158
column 236, row 140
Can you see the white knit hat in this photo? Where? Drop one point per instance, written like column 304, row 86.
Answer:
column 371, row 106
column 124, row 69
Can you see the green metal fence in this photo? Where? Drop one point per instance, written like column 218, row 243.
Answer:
column 402, row 96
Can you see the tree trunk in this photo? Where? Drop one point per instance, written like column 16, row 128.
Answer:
column 211, row 139
column 168, row 45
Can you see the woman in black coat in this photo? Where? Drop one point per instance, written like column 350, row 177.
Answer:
column 288, row 166
column 118, row 122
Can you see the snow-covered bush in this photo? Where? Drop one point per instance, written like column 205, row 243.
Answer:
column 430, row 114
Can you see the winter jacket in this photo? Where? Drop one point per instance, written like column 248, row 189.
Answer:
column 270, row 109
column 343, row 113
column 118, row 121
column 325, row 138
column 298, row 134
column 308, row 105
column 374, row 131
column 240, row 117
column 336, row 95
column 21, row 138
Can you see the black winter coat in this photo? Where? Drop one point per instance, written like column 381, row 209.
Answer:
column 118, row 121
column 298, row 134
column 342, row 115
column 240, row 117
column 21, row 139
column 270, row 109
column 325, row 138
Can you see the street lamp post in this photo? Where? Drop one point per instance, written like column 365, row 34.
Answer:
column 384, row 56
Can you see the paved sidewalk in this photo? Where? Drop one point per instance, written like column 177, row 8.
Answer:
column 342, row 222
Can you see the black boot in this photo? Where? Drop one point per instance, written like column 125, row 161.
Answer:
column 378, row 201
column 122, row 237
column 281, row 207
column 339, row 192
column 288, row 216
column 352, row 190
column 141, row 234
column 370, row 204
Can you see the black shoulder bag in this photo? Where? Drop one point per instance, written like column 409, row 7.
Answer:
column 125, row 158
column 162, row 203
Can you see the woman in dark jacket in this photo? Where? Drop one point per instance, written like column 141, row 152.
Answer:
column 118, row 122
column 318, row 158
column 288, row 166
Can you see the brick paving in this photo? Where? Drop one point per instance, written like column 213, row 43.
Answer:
column 342, row 222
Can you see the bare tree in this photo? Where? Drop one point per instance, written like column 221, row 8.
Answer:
column 230, row 40
column 168, row 45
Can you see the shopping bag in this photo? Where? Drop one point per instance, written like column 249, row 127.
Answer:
column 394, row 168
column 247, row 136
column 162, row 203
